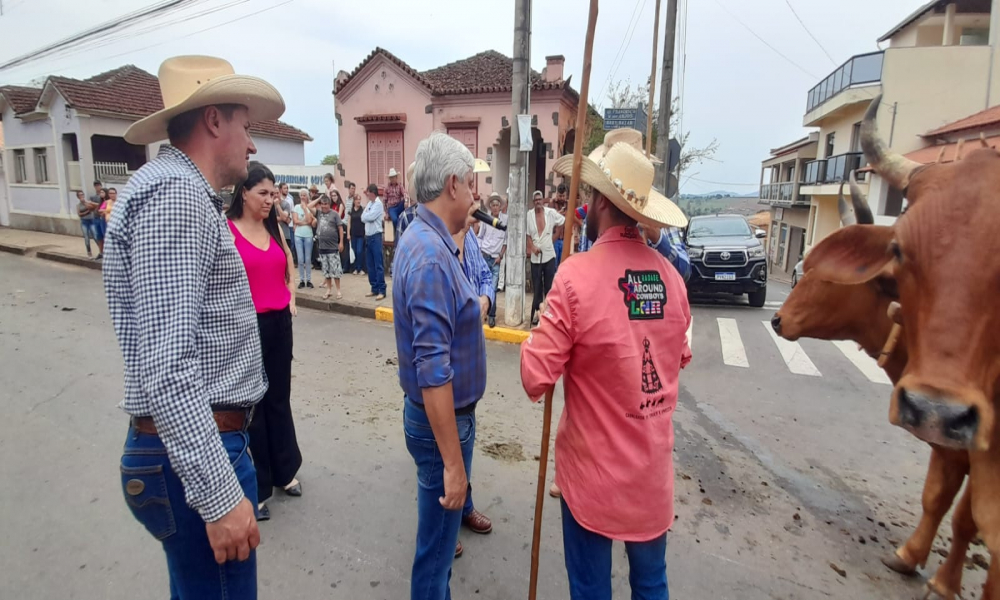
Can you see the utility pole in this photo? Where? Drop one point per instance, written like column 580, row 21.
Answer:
column 517, row 200
column 652, row 81
column 666, row 96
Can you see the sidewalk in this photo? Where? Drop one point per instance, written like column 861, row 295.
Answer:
column 71, row 250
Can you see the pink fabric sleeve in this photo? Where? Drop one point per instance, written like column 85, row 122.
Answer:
column 545, row 353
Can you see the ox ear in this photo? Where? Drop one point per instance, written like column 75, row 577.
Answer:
column 852, row 255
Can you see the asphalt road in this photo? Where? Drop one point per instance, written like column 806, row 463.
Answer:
column 779, row 473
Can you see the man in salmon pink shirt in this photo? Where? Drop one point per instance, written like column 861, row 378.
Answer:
column 620, row 311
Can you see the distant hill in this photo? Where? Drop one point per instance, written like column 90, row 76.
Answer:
column 718, row 195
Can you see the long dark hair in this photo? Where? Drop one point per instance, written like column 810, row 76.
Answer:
column 256, row 173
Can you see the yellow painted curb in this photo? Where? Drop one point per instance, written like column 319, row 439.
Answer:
column 497, row 334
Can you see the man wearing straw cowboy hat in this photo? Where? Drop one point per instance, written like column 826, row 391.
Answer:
column 191, row 351
column 620, row 311
column 395, row 199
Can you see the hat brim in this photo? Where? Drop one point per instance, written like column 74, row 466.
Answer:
column 262, row 100
column 598, row 153
column 659, row 211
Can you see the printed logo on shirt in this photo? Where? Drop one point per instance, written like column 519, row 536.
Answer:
column 630, row 233
column 651, row 406
column 645, row 294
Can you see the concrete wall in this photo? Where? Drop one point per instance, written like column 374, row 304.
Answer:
column 18, row 133
column 271, row 151
column 380, row 88
column 827, row 218
column 932, row 86
column 842, row 125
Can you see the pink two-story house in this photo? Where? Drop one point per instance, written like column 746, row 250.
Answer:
column 385, row 107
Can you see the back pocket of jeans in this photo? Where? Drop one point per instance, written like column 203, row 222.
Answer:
column 145, row 490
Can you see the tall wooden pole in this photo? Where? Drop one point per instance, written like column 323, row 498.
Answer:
column 652, row 83
column 666, row 97
column 582, row 112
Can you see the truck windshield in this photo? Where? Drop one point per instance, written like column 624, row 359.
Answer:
column 721, row 227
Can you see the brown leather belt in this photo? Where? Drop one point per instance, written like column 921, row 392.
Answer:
column 226, row 420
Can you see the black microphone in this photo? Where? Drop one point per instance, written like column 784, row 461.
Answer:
column 489, row 219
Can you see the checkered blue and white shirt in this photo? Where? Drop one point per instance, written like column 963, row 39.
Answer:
column 180, row 303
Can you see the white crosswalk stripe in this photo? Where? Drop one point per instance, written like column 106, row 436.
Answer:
column 733, row 352
column 793, row 354
column 866, row 364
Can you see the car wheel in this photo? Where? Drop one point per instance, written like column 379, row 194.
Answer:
column 795, row 279
column 757, row 298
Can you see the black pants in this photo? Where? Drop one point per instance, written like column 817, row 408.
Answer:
column 541, row 282
column 273, row 446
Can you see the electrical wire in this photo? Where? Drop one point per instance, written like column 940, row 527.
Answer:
column 629, row 42
column 763, row 41
column 802, row 23
column 607, row 81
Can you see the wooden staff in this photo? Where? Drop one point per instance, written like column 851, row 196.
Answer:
column 582, row 113
column 652, row 83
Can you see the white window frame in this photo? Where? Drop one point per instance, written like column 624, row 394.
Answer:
column 41, row 165
column 20, row 166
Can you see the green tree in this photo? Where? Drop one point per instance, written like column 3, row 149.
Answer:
column 330, row 159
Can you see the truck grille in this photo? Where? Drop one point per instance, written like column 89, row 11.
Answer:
column 726, row 258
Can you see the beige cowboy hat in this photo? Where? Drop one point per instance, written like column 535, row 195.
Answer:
column 632, row 137
column 625, row 176
column 481, row 166
column 393, row 172
column 190, row 82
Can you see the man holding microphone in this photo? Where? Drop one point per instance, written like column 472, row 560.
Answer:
column 442, row 355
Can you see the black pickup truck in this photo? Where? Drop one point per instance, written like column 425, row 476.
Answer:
column 727, row 257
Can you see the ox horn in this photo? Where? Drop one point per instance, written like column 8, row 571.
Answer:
column 859, row 201
column 847, row 216
column 894, row 167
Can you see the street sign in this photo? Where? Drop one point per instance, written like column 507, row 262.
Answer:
column 618, row 118
column 674, row 154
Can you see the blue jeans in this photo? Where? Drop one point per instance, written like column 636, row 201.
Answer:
column 588, row 564
column 495, row 275
column 558, row 245
column 376, row 268
column 358, row 244
column 304, row 250
column 394, row 213
column 437, row 528
column 90, row 230
column 159, row 506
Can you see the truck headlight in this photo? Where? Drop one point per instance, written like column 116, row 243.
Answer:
column 695, row 252
column 756, row 252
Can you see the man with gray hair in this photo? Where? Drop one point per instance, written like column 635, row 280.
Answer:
column 442, row 355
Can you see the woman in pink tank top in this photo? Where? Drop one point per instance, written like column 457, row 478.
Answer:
column 253, row 221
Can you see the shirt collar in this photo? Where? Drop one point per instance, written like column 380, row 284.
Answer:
column 620, row 234
column 437, row 225
column 174, row 153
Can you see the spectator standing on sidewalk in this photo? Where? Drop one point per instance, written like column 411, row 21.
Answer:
column 395, row 196
column 338, row 206
column 284, row 208
column 357, row 235
column 193, row 368
column 331, row 245
column 253, row 222
column 304, row 220
column 373, row 216
column 541, row 221
column 88, row 223
column 559, row 231
column 493, row 244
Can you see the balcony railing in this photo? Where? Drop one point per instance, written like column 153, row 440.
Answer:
column 861, row 69
column 114, row 172
column 834, row 169
column 779, row 192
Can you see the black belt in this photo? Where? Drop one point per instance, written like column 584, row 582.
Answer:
column 465, row 410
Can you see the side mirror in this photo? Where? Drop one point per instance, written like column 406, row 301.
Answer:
column 760, row 234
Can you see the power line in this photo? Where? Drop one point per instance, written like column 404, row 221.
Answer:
column 799, row 19
column 763, row 41
column 629, row 42
column 618, row 53
column 99, row 29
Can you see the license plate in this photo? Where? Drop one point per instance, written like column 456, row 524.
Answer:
column 725, row 276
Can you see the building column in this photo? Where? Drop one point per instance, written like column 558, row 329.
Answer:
column 948, row 39
column 796, row 177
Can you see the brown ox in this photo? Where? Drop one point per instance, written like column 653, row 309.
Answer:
column 942, row 254
column 859, row 313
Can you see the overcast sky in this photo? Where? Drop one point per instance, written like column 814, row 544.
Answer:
column 738, row 91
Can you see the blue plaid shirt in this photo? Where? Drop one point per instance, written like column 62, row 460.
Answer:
column 439, row 332
column 476, row 269
column 671, row 246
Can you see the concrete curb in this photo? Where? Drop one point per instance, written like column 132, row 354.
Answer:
column 344, row 308
column 12, row 249
column 69, row 259
column 497, row 334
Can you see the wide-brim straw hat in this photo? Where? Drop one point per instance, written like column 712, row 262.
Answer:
column 190, row 82
column 393, row 172
column 481, row 166
column 625, row 176
column 632, row 137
